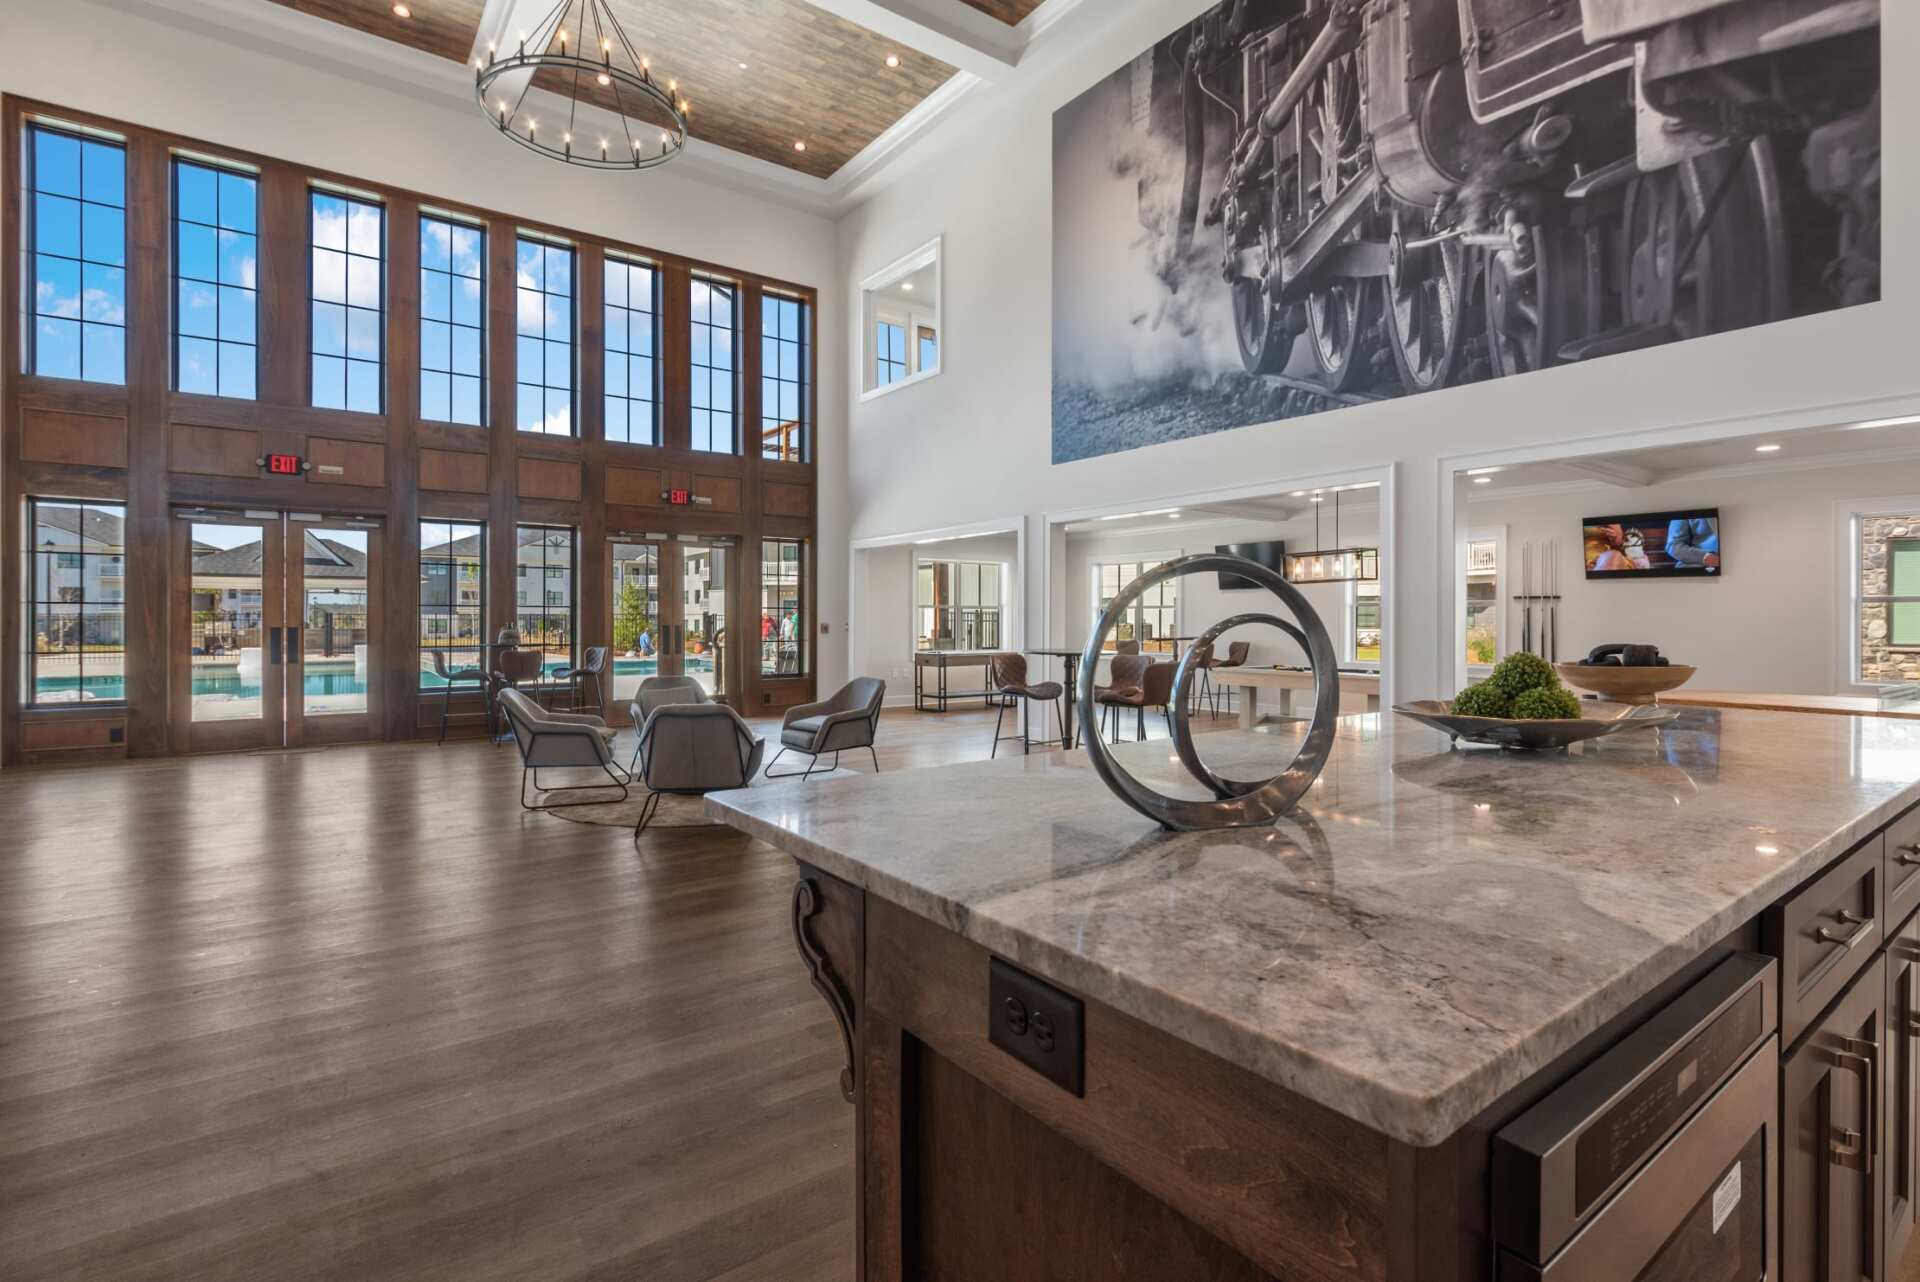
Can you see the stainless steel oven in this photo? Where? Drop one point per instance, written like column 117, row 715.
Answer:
column 1659, row 1161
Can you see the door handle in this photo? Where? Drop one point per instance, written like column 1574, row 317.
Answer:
column 273, row 646
column 1862, row 927
column 1854, row 1149
column 293, row 645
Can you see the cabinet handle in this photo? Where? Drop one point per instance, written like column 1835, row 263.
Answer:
column 1908, row 854
column 1854, row 1149
column 1862, row 927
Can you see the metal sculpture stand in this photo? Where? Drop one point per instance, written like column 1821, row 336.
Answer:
column 1238, row 803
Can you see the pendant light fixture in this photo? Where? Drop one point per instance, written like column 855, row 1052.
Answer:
column 599, row 106
column 1336, row 564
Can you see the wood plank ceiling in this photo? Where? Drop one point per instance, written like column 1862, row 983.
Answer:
column 1007, row 11
column 810, row 76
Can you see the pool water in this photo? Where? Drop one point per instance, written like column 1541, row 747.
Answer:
column 315, row 682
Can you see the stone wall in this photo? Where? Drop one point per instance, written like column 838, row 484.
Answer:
column 1878, row 663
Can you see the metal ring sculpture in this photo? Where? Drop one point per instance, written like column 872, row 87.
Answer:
column 1238, row 803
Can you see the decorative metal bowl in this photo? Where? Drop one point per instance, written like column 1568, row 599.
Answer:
column 1595, row 720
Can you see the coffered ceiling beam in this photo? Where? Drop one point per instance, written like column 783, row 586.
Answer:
column 1629, row 476
column 943, row 29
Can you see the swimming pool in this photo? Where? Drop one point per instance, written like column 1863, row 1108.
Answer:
column 316, row 682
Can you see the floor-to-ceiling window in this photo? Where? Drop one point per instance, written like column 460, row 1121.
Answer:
column 1152, row 619
column 633, row 341
column 77, row 233
column 1483, row 602
column 957, row 605
column 216, row 269
column 453, row 596
column 783, row 609
column 544, row 600
column 543, row 300
column 453, row 326
column 76, row 602
column 712, row 374
column 786, row 401
column 348, row 283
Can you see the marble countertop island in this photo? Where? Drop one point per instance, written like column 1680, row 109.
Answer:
column 1429, row 930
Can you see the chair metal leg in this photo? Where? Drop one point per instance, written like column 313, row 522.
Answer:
column 621, row 780
column 446, row 704
column 876, row 758
column 816, row 761
column 995, row 751
column 1066, row 732
column 1140, row 724
column 648, row 809
column 1026, row 727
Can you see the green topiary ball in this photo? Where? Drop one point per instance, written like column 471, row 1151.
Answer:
column 1480, row 701
column 1542, row 703
column 1519, row 673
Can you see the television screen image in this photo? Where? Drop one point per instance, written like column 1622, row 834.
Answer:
column 1271, row 555
column 1654, row 545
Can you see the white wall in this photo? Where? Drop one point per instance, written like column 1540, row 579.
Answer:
column 881, row 643
column 1202, row 603
column 974, row 441
column 1776, row 622
column 116, row 60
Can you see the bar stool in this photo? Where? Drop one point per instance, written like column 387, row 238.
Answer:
column 588, row 671
column 1010, row 679
column 1125, row 689
column 453, row 676
column 1236, row 658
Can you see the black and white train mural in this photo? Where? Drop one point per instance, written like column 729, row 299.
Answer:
column 1289, row 206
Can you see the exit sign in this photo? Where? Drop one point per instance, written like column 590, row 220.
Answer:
column 285, row 465
column 679, row 498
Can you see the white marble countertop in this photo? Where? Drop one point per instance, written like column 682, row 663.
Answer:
column 1432, row 928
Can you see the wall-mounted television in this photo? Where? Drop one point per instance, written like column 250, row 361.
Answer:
column 1652, row 545
column 1272, row 555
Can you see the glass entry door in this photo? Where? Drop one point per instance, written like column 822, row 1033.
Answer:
column 275, row 626
column 670, row 609
column 706, row 646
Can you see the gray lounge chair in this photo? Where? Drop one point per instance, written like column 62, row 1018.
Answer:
column 694, row 748
column 654, row 694
column 561, row 741
column 850, row 719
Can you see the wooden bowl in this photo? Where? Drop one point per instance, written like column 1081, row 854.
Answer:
column 1625, row 685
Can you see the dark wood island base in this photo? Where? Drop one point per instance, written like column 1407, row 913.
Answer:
column 1174, row 1164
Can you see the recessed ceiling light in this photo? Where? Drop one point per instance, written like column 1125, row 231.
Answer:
column 1766, row 449
column 401, row 11
column 743, row 66
column 907, row 285
column 1483, row 480
column 799, row 146
column 1173, row 516
column 893, row 60
column 1318, row 499
column 1484, row 471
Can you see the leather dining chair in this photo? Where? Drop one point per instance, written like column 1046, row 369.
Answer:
column 1124, row 689
column 1010, row 680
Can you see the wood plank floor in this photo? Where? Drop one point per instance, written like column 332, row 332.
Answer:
column 352, row 1014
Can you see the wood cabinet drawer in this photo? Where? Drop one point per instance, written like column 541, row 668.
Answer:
column 1830, row 1182
column 1824, row 933
column 1903, row 868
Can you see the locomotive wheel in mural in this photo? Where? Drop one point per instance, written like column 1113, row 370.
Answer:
column 1533, row 303
column 1685, row 282
column 1426, row 303
column 1266, row 337
column 1337, row 318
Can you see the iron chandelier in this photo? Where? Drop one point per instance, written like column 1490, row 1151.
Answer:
column 612, row 113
